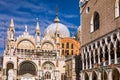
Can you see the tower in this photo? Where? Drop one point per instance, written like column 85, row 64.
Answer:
column 11, row 31
column 57, row 33
column 37, row 35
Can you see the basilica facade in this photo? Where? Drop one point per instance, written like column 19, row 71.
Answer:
column 29, row 57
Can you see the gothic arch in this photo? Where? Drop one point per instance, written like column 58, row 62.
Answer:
column 104, row 75
column 94, row 76
column 86, row 76
column 115, row 74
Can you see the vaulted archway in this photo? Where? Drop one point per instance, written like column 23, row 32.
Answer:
column 27, row 67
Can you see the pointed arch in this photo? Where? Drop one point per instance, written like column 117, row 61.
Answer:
column 95, row 22
column 115, row 74
column 104, row 75
column 94, row 75
column 86, row 76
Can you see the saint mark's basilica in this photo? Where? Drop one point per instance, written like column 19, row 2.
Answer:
column 29, row 57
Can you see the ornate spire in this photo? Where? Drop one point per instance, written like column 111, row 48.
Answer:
column 11, row 23
column 37, row 26
column 57, row 29
column 56, row 20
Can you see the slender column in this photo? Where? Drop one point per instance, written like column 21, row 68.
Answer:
column 86, row 61
column 115, row 53
column 90, row 75
column 109, row 56
column 99, row 56
column 82, row 76
column 104, row 56
column 82, row 61
column 15, row 72
column 110, row 75
column 99, row 75
column 4, row 74
column 94, row 56
column 90, row 59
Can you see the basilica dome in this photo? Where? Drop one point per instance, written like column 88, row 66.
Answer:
column 63, row 30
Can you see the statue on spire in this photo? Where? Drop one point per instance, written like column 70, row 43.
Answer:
column 26, row 28
column 56, row 20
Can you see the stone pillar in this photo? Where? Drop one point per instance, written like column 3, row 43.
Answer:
column 86, row 62
column 115, row 53
column 82, row 61
column 110, row 75
column 82, row 76
column 15, row 73
column 94, row 56
column 99, row 57
column 103, row 56
column 109, row 56
column 90, row 75
column 99, row 75
column 4, row 74
column 90, row 60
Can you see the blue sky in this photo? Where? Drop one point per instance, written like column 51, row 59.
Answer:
column 26, row 11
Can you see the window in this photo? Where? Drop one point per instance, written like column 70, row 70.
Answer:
column 95, row 22
column 71, row 46
column 117, row 8
column 67, row 45
column 47, row 75
column 62, row 52
column 72, row 52
column 62, row 45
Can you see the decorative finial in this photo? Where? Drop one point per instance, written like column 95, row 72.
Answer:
column 56, row 20
column 37, row 26
column 12, row 23
column 25, row 28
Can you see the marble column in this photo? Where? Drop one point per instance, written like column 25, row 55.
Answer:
column 110, row 75
column 115, row 55
column 86, row 62
column 90, row 60
column 94, row 56
column 109, row 57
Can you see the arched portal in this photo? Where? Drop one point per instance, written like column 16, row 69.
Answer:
column 115, row 75
column 86, row 76
column 104, row 76
column 27, row 67
column 94, row 76
column 9, row 66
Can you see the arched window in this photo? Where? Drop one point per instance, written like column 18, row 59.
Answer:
column 117, row 8
column 95, row 22
column 67, row 45
column 72, row 46
column 47, row 75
